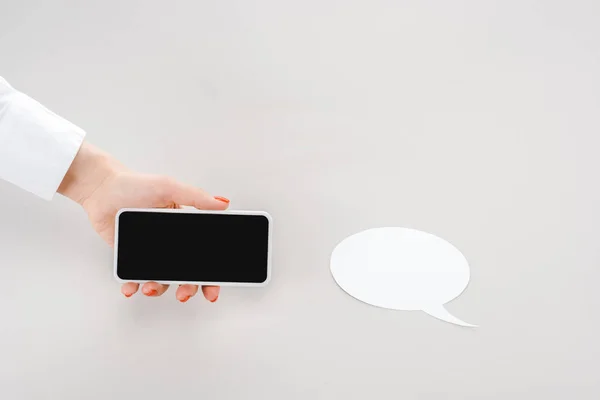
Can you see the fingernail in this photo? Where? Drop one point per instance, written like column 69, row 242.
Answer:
column 223, row 199
column 186, row 298
column 215, row 299
column 128, row 295
column 151, row 292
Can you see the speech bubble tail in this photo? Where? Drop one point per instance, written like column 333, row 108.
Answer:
column 440, row 312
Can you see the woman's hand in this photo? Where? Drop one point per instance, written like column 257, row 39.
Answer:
column 102, row 186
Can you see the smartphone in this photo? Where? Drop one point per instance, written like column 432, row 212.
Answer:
column 225, row 248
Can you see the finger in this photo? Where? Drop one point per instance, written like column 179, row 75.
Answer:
column 129, row 289
column 185, row 292
column 180, row 193
column 211, row 293
column 153, row 289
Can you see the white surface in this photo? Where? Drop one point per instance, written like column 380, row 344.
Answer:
column 195, row 211
column 476, row 121
column 401, row 269
column 36, row 145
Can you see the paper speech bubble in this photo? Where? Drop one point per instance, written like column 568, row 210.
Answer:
column 401, row 269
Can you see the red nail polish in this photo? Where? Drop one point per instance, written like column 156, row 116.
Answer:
column 215, row 299
column 128, row 295
column 152, row 292
column 186, row 298
column 223, row 199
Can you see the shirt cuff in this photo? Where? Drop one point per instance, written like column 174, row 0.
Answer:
column 37, row 146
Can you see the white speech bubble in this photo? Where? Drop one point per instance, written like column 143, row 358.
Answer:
column 401, row 269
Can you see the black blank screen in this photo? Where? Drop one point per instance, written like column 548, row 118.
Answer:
column 189, row 247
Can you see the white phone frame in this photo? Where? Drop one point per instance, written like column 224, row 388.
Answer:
column 195, row 211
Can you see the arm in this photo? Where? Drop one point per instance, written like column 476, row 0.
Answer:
column 36, row 145
column 43, row 153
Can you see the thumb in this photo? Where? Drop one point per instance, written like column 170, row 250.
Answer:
column 186, row 195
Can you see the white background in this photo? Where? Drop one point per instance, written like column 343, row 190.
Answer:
column 478, row 121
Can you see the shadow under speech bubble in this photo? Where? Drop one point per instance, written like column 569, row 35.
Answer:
column 401, row 269
column 440, row 312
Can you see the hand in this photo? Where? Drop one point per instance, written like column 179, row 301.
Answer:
column 102, row 186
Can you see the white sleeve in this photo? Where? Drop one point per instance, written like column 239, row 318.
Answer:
column 37, row 146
